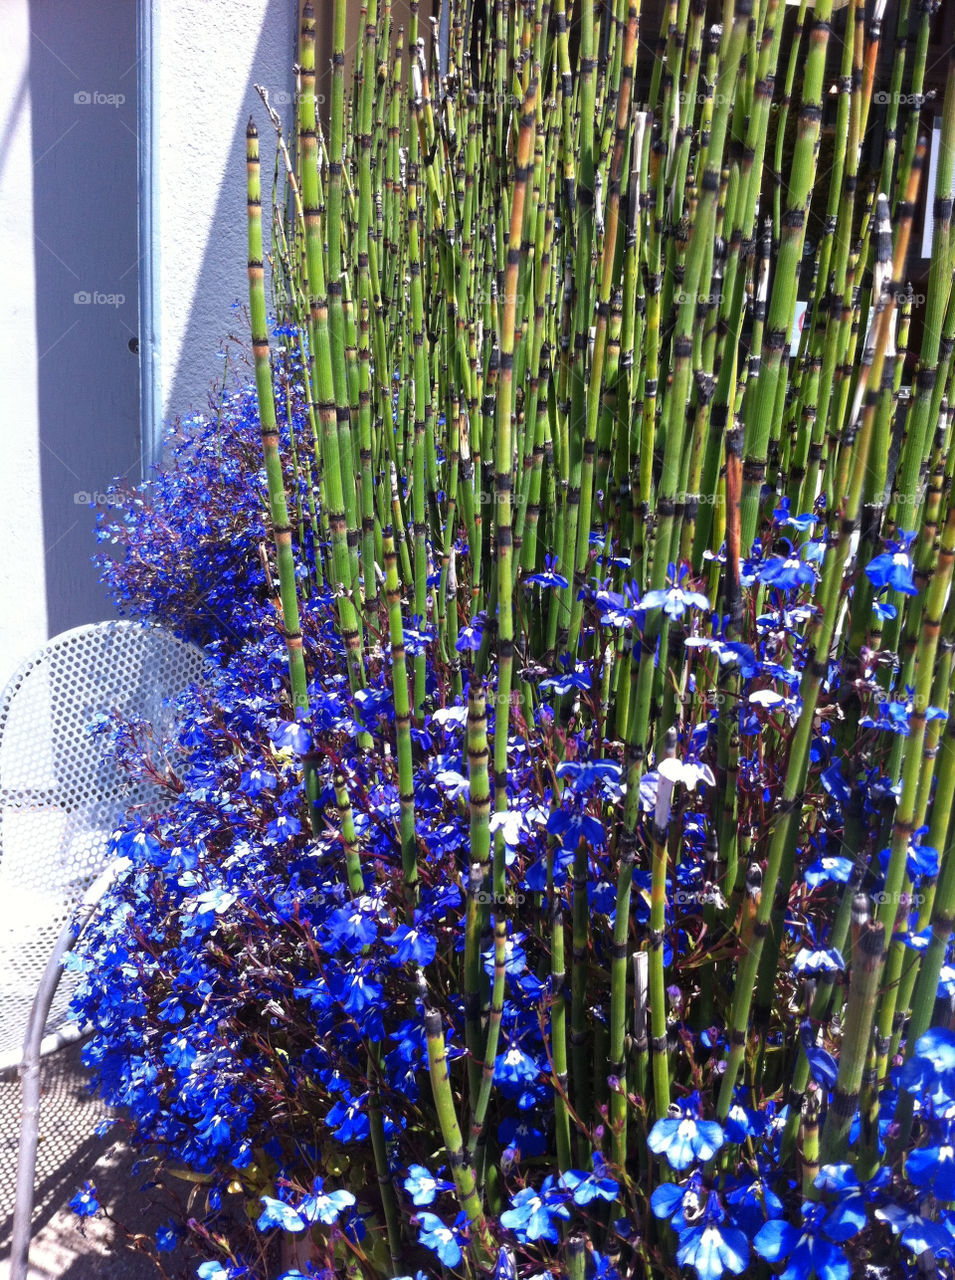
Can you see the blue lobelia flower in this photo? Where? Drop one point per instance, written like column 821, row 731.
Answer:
column 292, row 735
column 893, row 716
column 893, row 569
column 920, row 860
column 587, row 1187
column 213, row 1269
column 786, row 574
column 849, row 1215
column 915, row 1232
column 521, row 1135
column 255, row 780
column 710, row 1246
column 822, row 1065
column 515, row 1067
column 358, row 990
column 325, row 1206
column 412, row 945
column 674, row 601
column 351, row 927
column 829, row 868
column 931, row 1069
column 423, row 1186
column 579, row 678
column 168, row 1237
column 932, row 1169
column 440, row 1239
column 85, row 1203
column 549, row 577
column 533, row 1214
column 683, row 1137
column 812, row 962
column 801, row 523
column 751, row 1201
column 140, row 847
column 506, row 1268
column 583, row 776
column 678, row 1203
column 279, row 1214
column 810, row 1250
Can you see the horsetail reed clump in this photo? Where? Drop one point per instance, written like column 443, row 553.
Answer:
column 561, row 879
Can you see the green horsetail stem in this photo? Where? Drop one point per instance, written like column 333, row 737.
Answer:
column 617, row 1063
column 784, row 830
column 782, row 305
column 856, row 1036
column 278, row 507
column 809, row 1141
column 495, row 1015
column 479, row 806
column 356, row 881
column 321, row 381
column 942, row 919
column 558, row 1015
column 595, row 384
column 386, row 1190
column 335, row 290
column 670, row 501
column 366, row 300
column 908, row 818
column 481, row 1243
column 658, row 1010
column 399, row 681
column 503, row 474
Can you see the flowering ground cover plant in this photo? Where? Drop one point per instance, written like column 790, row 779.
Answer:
column 556, row 881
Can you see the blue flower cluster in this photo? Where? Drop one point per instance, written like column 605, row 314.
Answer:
column 264, row 1025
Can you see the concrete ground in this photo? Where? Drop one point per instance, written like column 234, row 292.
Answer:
column 63, row 1248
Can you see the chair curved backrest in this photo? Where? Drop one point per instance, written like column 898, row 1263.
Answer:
column 61, row 793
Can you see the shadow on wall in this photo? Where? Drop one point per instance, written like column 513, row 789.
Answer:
column 82, row 85
column 222, row 277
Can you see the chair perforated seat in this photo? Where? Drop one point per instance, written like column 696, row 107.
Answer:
column 62, row 795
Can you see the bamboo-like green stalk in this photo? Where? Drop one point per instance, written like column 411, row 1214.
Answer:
column 658, row 1011
column 399, row 680
column 495, row 375
column 908, row 817
column 784, row 830
column 617, row 1063
column 503, row 479
column 857, row 1032
column 479, row 804
column 322, row 387
column 278, row 507
column 782, row 305
column 469, row 1198
column 495, row 1014
column 335, row 290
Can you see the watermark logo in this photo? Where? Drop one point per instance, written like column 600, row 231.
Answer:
column 83, row 498
column 85, row 298
column 283, row 98
column 95, row 98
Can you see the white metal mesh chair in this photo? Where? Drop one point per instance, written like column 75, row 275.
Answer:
column 61, row 798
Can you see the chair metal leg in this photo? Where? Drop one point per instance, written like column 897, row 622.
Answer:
column 30, row 1076
column 30, row 1114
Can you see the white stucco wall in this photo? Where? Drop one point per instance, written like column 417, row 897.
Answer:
column 68, row 225
column 22, row 580
column 69, row 377
column 212, row 52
